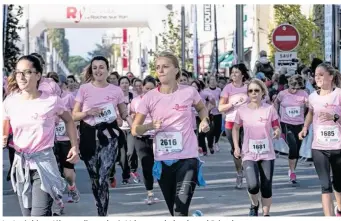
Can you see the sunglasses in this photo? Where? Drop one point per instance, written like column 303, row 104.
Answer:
column 253, row 90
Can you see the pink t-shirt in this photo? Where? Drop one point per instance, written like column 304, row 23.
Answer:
column 69, row 101
column 175, row 112
column 133, row 108
column 33, row 121
column 292, row 106
column 216, row 96
column 327, row 134
column 257, row 124
column 90, row 97
column 49, row 86
column 234, row 94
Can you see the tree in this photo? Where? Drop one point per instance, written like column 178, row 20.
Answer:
column 59, row 42
column 11, row 51
column 76, row 64
column 103, row 50
column 309, row 45
column 171, row 40
column 318, row 17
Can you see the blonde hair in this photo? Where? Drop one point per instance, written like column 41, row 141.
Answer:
column 174, row 60
column 261, row 85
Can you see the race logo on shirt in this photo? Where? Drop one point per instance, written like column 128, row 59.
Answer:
column 180, row 107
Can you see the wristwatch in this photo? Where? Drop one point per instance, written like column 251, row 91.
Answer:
column 336, row 117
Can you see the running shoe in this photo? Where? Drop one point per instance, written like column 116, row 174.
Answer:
column 73, row 195
column 211, row 150
column 337, row 213
column 254, row 210
column 239, row 181
column 217, row 148
column 151, row 200
column 125, row 181
column 135, row 176
column 59, row 210
column 292, row 177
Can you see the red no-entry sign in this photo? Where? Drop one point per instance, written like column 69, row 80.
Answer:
column 285, row 37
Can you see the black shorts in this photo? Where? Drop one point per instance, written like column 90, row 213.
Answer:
column 61, row 150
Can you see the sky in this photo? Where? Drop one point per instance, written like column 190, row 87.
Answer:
column 83, row 40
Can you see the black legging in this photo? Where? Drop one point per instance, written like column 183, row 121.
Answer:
column 144, row 149
column 291, row 136
column 230, row 139
column 214, row 134
column 323, row 161
column 262, row 170
column 201, row 137
column 178, row 183
column 121, row 157
column 131, row 152
column 98, row 167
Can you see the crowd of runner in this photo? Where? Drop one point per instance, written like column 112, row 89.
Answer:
column 166, row 124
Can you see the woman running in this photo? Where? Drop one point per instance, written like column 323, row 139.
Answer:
column 232, row 97
column 257, row 153
column 324, row 113
column 215, row 116
column 35, row 175
column 292, row 104
column 138, row 87
column 144, row 143
column 95, row 107
column 176, row 166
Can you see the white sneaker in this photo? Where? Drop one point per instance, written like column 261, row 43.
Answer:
column 216, row 147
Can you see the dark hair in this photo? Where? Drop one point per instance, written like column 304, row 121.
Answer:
column 53, row 75
column 332, row 71
column 12, row 82
column 72, row 77
column 185, row 75
column 314, row 63
column 242, row 68
column 40, row 58
column 282, row 79
column 116, row 74
column 149, row 79
column 137, row 80
column 296, row 81
column 196, row 82
column 88, row 73
column 123, row 77
column 307, row 71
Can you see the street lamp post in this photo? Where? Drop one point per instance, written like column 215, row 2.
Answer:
column 240, row 33
column 183, row 38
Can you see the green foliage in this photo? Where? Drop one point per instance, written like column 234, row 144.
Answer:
column 11, row 51
column 170, row 41
column 102, row 50
column 318, row 17
column 309, row 45
column 76, row 64
column 60, row 43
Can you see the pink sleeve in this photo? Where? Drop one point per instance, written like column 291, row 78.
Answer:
column 120, row 97
column 56, row 88
column 71, row 102
column 59, row 107
column 279, row 96
column 196, row 96
column 225, row 92
column 306, row 96
column 237, row 119
column 143, row 107
column 80, row 95
column 309, row 102
column 273, row 114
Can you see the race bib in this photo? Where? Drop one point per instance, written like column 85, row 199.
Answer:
column 61, row 129
column 327, row 135
column 169, row 142
column 293, row 111
column 108, row 114
column 259, row 146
